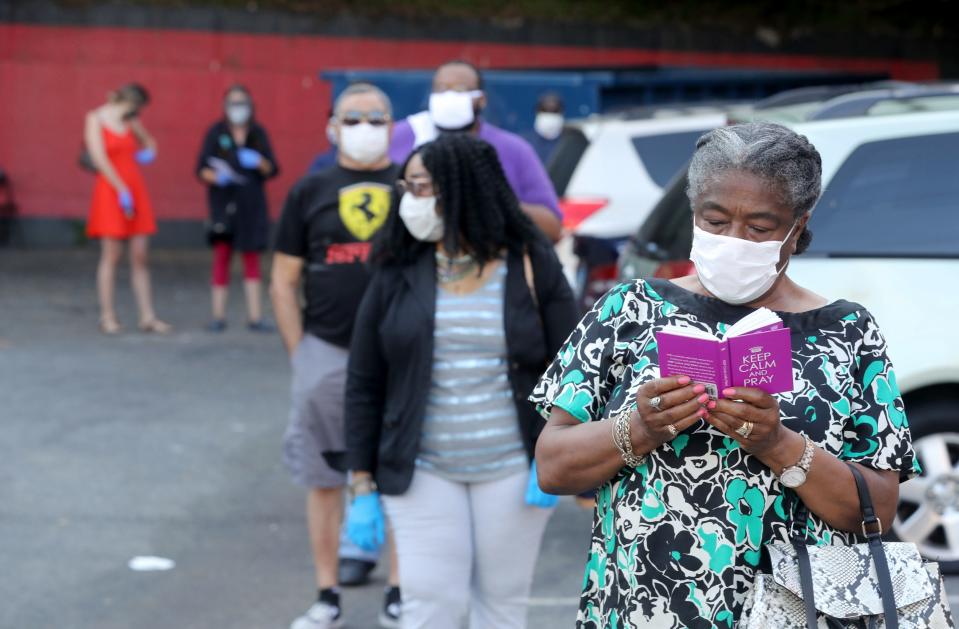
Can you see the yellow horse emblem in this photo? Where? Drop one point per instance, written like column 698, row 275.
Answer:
column 363, row 208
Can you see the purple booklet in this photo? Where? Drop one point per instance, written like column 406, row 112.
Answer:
column 755, row 352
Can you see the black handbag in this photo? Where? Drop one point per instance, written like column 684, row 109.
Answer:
column 874, row 585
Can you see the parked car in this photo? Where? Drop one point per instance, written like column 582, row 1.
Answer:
column 886, row 234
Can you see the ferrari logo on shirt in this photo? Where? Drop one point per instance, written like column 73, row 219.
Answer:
column 363, row 208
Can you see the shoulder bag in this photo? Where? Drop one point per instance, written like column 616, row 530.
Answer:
column 874, row 585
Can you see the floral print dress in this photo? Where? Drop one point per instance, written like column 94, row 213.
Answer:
column 677, row 540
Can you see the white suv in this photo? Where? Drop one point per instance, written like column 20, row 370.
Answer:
column 885, row 234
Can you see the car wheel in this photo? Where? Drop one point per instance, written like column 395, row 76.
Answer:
column 928, row 512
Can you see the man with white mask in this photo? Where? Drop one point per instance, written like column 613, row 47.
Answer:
column 547, row 126
column 456, row 104
column 323, row 240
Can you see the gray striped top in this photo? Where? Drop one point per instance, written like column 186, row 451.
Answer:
column 471, row 431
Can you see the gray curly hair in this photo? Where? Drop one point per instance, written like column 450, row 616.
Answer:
column 770, row 151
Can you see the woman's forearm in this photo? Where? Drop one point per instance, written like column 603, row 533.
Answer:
column 830, row 490
column 573, row 457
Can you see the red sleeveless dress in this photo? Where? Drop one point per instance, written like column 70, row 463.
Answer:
column 106, row 216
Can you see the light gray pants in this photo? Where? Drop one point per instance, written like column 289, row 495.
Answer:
column 466, row 549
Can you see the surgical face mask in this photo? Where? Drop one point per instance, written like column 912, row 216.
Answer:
column 735, row 270
column 238, row 113
column 364, row 142
column 548, row 124
column 453, row 111
column 420, row 217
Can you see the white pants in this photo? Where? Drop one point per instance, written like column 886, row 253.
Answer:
column 466, row 549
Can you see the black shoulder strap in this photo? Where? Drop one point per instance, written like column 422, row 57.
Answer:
column 797, row 535
column 872, row 528
column 805, row 581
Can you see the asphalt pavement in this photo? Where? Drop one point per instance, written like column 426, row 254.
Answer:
column 113, row 448
column 138, row 445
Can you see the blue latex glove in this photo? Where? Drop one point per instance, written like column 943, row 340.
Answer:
column 365, row 525
column 126, row 202
column 223, row 178
column 249, row 158
column 146, row 156
column 536, row 497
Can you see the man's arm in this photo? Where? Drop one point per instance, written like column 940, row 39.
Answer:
column 284, row 293
column 546, row 219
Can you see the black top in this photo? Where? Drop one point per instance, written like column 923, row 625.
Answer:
column 391, row 358
column 238, row 212
column 329, row 219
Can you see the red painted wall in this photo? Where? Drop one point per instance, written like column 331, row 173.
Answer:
column 50, row 76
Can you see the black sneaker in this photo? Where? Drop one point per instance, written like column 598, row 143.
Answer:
column 390, row 614
column 325, row 613
column 354, row 572
column 216, row 326
column 261, row 327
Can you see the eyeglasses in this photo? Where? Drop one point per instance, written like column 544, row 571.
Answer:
column 375, row 118
column 420, row 188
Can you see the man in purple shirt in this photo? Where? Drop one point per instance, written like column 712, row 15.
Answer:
column 456, row 101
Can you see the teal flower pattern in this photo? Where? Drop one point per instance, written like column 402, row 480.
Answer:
column 677, row 540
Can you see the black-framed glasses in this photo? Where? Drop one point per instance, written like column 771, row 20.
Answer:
column 375, row 118
column 418, row 188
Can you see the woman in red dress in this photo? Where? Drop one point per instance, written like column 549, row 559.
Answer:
column 118, row 143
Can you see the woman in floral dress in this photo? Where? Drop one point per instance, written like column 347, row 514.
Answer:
column 679, row 529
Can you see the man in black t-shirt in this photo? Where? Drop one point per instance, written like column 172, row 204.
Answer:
column 323, row 240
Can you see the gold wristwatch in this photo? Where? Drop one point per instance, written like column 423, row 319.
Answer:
column 362, row 486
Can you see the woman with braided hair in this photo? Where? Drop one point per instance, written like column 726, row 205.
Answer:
column 466, row 303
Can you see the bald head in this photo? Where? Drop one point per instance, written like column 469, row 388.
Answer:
column 460, row 76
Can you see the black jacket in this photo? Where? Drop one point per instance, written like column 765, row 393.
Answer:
column 391, row 358
column 238, row 213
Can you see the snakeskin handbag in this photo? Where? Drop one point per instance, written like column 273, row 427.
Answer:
column 874, row 585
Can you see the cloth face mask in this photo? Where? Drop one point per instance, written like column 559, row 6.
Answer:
column 453, row 111
column 238, row 114
column 735, row 270
column 420, row 217
column 363, row 142
column 548, row 124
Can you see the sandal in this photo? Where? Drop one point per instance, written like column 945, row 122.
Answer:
column 110, row 327
column 156, row 326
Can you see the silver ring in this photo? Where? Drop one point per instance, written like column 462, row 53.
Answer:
column 656, row 402
column 671, row 430
column 745, row 430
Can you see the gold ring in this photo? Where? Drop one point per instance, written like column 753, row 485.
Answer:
column 745, row 430
column 671, row 430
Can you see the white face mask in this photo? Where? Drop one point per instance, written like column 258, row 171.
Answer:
column 420, row 217
column 363, row 142
column 453, row 111
column 238, row 114
column 735, row 270
column 548, row 124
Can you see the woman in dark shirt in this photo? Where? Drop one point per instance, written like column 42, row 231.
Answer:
column 235, row 161
column 466, row 303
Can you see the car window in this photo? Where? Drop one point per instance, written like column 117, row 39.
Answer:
column 664, row 154
column 669, row 227
column 892, row 198
column 569, row 150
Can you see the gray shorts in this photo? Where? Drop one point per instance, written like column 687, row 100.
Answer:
column 316, row 417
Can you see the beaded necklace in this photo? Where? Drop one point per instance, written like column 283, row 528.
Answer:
column 450, row 270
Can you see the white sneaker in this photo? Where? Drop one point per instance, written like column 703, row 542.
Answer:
column 319, row 616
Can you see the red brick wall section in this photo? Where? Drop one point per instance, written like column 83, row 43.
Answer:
column 50, row 76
